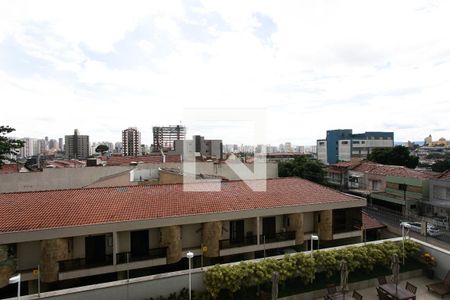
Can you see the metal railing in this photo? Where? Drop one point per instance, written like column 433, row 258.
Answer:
column 151, row 254
column 82, row 263
column 247, row 241
column 278, row 237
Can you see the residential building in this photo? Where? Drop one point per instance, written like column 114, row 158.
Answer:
column 343, row 145
column 143, row 227
column 440, row 196
column 199, row 147
column 164, row 137
column 30, row 148
column 131, row 142
column 60, row 144
column 76, row 146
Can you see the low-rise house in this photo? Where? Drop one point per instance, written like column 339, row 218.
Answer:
column 439, row 205
column 79, row 233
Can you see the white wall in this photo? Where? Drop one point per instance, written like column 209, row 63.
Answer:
column 78, row 247
column 154, row 237
column 124, row 241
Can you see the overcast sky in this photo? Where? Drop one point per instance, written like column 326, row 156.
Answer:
column 310, row 65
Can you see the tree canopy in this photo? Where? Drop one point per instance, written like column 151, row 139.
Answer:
column 303, row 167
column 397, row 156
column 441, row 165
column 7, row 145
column 101, row 149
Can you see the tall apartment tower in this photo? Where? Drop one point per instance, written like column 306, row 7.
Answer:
column 77, row 146
column 343, row 144
column 131, row 141
column 164, row 137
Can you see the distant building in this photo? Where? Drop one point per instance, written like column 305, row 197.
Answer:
column 131, row 141
column 77, row 146
column 118, row 147
column 60, row 144
column 52, row 144
column 30, row 148
column 442, row 142
column 164, row 137
column 199, row 147
column 343, row 144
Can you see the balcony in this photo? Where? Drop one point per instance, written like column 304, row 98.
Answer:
column 250, row 243
column 151, row 254
column 82, row 263
column 278, row 237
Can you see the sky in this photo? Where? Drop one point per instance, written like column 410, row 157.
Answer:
column 304, row 67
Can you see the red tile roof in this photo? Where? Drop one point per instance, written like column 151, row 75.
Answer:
column 388, row 170
column 8, row 169
column 445, row 175
column 371, row 223
column 67, row 208
column 126, row 160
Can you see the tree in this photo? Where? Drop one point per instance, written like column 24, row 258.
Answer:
column 397, row 156
column 441, row 166
column 102, row 149
column 303, row 167
column 8, row 145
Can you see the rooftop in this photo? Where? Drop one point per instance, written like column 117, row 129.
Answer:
column 67, row 208
column 126, row 160
column 388, row 170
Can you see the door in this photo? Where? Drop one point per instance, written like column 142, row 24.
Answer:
column 139, row 243
column 95, row 249
column 236, row 231
column 269, row 229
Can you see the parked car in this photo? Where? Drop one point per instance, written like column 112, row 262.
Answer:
column 417, row 227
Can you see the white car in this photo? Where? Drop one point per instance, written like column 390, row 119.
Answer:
column 417, row 227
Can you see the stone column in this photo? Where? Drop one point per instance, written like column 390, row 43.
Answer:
column 53, row 251
column 296, row 224
column 212, row 232
column 171, row 238
column 325, row 226
column 7, row 266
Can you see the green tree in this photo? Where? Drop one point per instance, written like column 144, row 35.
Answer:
column 101, row 149
column 441, row 166
column 7, row 145
column 303, row 167
column 397, row 156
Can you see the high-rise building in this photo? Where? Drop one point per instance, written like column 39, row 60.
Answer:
column 60, row 144
column 198, row 146
column 30, row 148
column 164, row 137
column 77, row 146
column 131, row 141
column 52, row 144
column 343, row 145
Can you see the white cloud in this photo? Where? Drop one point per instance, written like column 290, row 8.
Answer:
column 328, row 64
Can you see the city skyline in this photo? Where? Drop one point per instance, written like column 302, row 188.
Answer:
column 311, row 66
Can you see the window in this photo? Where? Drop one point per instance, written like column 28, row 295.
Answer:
column 344, row 142
column 355, row 142
column 321, row 143
column 402, row 187
column 363, row 142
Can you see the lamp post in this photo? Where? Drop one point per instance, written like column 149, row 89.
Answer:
column 407, row 226
column 190, row 255
column 314, row 238
column 16, row 279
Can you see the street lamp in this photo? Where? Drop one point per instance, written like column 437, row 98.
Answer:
column 16, row 279
column 314, row 238
column 190, row 255
column 407, row 226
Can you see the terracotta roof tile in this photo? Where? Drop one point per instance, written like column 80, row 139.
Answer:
column 8, row 169
column 371, row 223
column 445, row 175
column 388, row 170
column 65, row 208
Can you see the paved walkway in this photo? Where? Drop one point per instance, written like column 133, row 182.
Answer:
column 420, row 282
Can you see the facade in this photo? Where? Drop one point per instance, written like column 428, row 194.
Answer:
column 30, row 148
column 131, row 142
column 199, row 147
column 74, row 234
column 440, row 196
column 76, row 146
column 344, row 145
column 164, row 137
